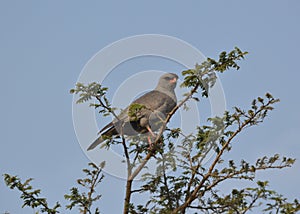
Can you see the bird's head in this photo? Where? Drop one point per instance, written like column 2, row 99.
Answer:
column 167, row 81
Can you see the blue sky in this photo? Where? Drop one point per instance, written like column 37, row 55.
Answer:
column 45, row 44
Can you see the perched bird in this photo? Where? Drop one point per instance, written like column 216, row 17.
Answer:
column 144, row 114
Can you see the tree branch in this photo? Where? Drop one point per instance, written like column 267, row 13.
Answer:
column 195, row 192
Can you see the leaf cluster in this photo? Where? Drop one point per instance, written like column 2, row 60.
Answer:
column 94, row 91
column 85, row 200
column 29, row 195
column 204, row 75
column 88, row 92
column 135, row 110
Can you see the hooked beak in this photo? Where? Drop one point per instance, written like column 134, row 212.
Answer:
column 174, row 80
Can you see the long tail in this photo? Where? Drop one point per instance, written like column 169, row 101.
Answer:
column 98, row 141
column 110, row 132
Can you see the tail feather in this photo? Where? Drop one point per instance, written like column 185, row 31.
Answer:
column 98, row 141
column 109, row 133
column 110, row 125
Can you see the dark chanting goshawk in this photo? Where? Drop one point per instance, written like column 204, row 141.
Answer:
column 155, row 106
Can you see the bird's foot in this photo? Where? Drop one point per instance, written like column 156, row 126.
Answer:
column 150, row 142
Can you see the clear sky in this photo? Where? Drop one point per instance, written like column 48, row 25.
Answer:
column 44, row 45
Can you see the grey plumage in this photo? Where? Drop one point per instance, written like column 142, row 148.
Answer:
column 157, row 104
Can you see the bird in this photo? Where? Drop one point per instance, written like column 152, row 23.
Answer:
column 151, row 109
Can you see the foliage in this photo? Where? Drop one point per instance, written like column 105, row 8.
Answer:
column 182, row 182
column 203, row 75
column 84, row 200
column 134, row 110
column 198, row 185
column 94, row 90
column 30, row 196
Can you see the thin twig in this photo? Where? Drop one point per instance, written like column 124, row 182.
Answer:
column 194, row 194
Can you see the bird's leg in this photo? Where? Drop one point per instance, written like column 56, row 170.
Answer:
column 151, row 132
column 149, row 141
column 149, row 137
